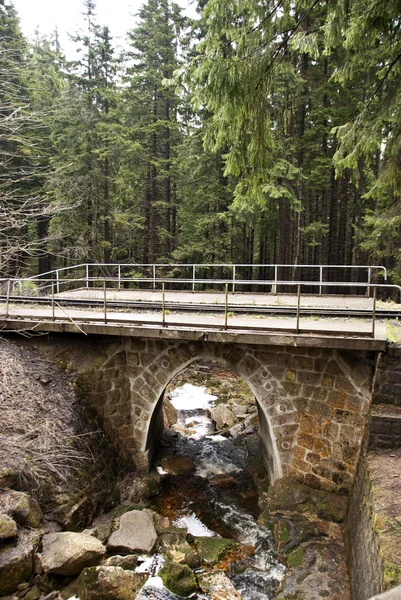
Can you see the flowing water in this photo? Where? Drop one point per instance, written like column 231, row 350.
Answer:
column 219, row 499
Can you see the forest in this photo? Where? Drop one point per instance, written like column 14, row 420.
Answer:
column 261, row 132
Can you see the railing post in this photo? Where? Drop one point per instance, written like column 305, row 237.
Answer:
column 57, row 282
column 163, row 304
column 119, row 277
column 369, row 280
column 298, row 307
column 274, row 290
column 53, row 311
column 105, row 302
column 226, row 309
column 233, row 279
column 193, row 277
column 320, row 279
column 154, row 276
column 374, row 313
column 8, row 297
column 87, row 275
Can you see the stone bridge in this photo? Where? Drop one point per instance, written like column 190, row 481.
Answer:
column 313, row 402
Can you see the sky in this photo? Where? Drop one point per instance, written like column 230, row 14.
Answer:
column 66, row 15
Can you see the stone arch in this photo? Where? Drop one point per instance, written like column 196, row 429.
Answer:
column 278, row 417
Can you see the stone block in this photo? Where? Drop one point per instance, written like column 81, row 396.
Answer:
column 304, row 363
column 292, row 389
column 333, row 368
column 133, row 358
column 343, row 384
column 328, row 380
column 305, row 440
column 301, row 465
column 320, row 409
column 291, row 375
column 309, row 377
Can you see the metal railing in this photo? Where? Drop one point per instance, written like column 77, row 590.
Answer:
column 8, row 285
column 193, row 274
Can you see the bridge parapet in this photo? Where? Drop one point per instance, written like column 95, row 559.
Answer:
column 313, row 403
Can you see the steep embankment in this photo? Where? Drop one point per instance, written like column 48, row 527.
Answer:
column 50, row 446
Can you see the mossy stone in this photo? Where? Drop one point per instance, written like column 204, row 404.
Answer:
column 213, row 549
column 178, row 578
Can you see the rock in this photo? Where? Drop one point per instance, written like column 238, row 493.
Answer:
column 178, row 464
column 34, row 593
column 173, row 537
column 109, row 583
column 128, row 563
column 7, row 477
column 236, row 430
column 135, row 534
column 193, row 559
column 170, row 416
column 218, row 586
column 74, row 517
column 160, row 521
column 222, row 416
column 67, row 553
column 239, row 411
column 8, row 528
column 222, row 480
column 213, row 549
column 252, row 423
column 22, row 507
column 16, row 563
column 144, row 488
column 393, row 594
column 178, row 578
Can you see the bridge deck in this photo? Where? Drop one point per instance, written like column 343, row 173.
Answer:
column 218, row 298
column 257, row 329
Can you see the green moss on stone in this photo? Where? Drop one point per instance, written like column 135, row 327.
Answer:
column 296, row 558
column 213, row 549
column 179, row 579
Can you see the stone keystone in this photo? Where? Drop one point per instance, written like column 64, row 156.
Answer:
column 136, row 533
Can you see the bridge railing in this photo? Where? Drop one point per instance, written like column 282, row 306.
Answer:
column 7, row 286
column 208, row 276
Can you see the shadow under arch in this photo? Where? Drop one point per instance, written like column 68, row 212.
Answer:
column 154, row 432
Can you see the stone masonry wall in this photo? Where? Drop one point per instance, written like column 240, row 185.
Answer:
column 363, row 543
column 315, row 402
column 387, row 383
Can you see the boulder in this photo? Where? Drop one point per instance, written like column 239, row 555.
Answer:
column 173, row 538
column 218, row 586
column 222, row 416
column 67, row 553
column 170, row 416
column 136, row 533
column 128, row 563
column 109, row 583
column 22, row 507
column 8, row 528
column 16, row 563
column 213, row 549
column 179, row 579
column 239, row 411
column 8, row 477
column 144, row 488
column 177, row 464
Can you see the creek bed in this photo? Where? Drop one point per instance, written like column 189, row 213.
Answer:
column 220, row 498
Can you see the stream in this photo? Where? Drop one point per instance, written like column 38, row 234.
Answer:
column 219, row 499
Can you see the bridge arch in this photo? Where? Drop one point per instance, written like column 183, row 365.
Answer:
column 153, row 432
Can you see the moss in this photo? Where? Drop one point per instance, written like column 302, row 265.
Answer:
column 179, row 579
column 213, row 549
column 392, row 575
column 296, row 558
